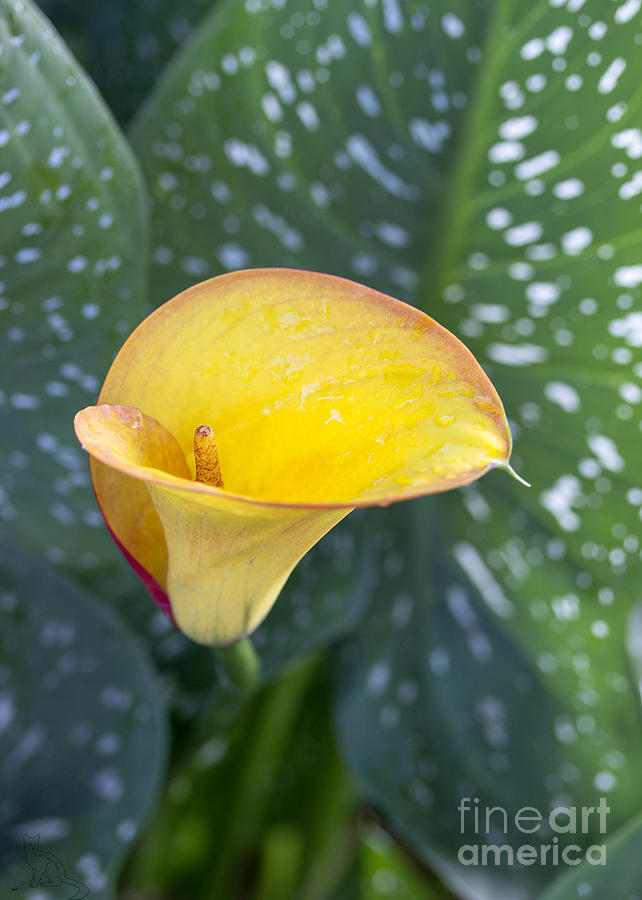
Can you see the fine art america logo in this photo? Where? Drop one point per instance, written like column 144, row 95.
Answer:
column 544, row 847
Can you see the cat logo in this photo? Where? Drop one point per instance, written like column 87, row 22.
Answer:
column 48, row 871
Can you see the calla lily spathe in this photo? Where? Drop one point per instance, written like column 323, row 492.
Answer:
column 322, row 395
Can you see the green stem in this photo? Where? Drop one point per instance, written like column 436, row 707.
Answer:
column 241, row 663
column 332, row 842
column 275, row 718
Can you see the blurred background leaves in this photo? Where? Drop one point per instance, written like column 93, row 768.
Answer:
column 479, row 160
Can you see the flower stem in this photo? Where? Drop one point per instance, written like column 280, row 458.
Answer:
column 275, row 716
column 241, row 664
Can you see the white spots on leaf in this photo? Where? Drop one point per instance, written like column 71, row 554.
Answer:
column 628, row 276
column 306, row 81
column 77, row 264
column 114, row 697
column 58, row 156
column 289, row 237
column 359, row 29
column 568, row 189
column 520, row 235
column 28, row 255
column 24, row 749
column 391, row 234
column 536, row 83
column 392, row 18
column 532, row 49
column 517, row 128
column 308, row 115
column 439, row 661
column 272, row 107
column 517, row 354
column 627, row 10
column 229, row 64
column 332, row 49
column 364, row 155
column 498, row 218
column 402, row 609
column 55, row 633
column 429, row 136
column 452, row 25
column 630, row 329
column 7, row 711
column 108, row 744
column 559, row 499
column 126, row 831
column 600, row 628
column 564, row 395
column 232, row 256
column 481, row 576
column 246, row 156
column 566, row 608
column 537, row 165
column 506, row 151
column 630, row 392
column 20, row 400
column 91, row 872
column 630, row 140
column 542, row 293
column 378, row 678
column 476, row 503
column 280, row 80
column 194, row 265
column 576, row 240
column 541, row 251
column 559, row 39
column 10, row 96
column 521, row 271
column 632, row 188
column 319, row 194
column 609, row 79
column 605, row 449
column 367, row 100
column 494, row 313
column 464, row 614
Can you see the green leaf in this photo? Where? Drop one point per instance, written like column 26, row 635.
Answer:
column 82, row 730
column 72, row 281
column 124, row 44
column 385, row 871
column 461, row 707
column 479, row 161
column 619, row 877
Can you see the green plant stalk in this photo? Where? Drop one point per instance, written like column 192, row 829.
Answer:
column 332, row 841
column 280, row 863
column 275, row 719
column 241, row 664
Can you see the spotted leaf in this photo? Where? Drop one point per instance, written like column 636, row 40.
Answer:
column 72, row 276
column 82, row 733
column 480, row 161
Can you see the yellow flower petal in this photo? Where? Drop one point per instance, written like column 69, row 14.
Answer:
column 322, row 394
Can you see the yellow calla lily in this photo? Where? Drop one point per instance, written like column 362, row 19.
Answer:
column 310, row 395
